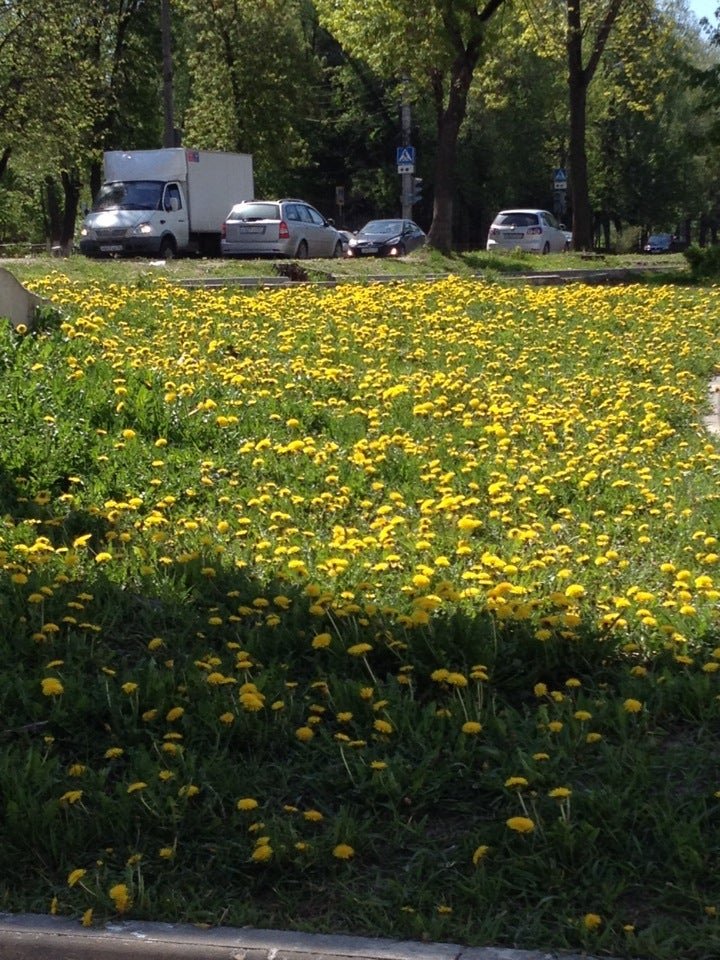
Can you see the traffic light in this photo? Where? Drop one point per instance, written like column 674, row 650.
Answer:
column 417, row 189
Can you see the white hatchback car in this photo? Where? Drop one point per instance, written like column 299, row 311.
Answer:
column 533, row 231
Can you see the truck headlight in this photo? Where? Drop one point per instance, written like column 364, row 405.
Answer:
column 87, row 234
column 143, row 229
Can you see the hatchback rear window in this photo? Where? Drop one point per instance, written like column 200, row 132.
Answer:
column 516, row 219
column 255, row 211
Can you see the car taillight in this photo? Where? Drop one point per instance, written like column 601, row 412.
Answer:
column 283, row 232
column 534, row 231
column 223, row 231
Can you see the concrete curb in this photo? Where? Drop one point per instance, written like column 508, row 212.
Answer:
column 38, row 937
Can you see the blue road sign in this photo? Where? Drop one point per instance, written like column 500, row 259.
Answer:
column 405, row 155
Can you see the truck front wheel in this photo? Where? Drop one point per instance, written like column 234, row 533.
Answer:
column 167, row 249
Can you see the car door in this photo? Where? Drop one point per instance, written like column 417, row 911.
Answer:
column 174, row 219
column 555, row 236
column 323, row 234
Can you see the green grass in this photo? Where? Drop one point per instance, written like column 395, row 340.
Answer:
column 424, row 262
column 394, row 563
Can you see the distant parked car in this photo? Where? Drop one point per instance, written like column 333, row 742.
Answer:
column 533, row 231
column 663, row 243
column 278, row 228
column 386, row 238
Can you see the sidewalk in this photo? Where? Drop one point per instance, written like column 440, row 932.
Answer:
column 38, row 937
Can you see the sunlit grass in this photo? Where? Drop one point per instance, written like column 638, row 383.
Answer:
column 382, row 609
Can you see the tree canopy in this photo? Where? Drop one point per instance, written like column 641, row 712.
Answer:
column 500, row 92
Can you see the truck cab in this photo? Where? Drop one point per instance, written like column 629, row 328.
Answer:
column 137, row 217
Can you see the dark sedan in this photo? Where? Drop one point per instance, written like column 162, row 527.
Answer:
column 663, row 243
column 386, row 238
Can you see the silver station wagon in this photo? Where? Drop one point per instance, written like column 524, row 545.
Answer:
column 279, row 228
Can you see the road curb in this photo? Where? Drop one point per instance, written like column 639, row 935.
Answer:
column 39, row 937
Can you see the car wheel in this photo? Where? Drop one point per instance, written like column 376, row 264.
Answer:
column 546, row 248
column 338, row 251
column 167, row 249
column 567, row 246
column 302, row 251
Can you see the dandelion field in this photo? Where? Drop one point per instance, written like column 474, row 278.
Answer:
column 387, row 610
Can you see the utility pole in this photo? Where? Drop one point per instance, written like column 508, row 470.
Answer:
column 407, row 175
column 167, row 73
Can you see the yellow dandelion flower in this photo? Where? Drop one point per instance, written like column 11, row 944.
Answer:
column 304, row 734
column 520, row 824
column 75, row 876
column 591, row 921
column 137, row 787
column 359, row 649
column 632, row 706
column 321, row 640
column 262, row 853
column 471, row 727
column 343, row 851
column 560, row 793
column 87, row 917
column 71, row 797
column 314, row 816
column 480, row 853
column 120, row 895
column 51, row 687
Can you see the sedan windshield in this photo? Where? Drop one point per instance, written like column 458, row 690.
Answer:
column 129, row 195
column 384, row 227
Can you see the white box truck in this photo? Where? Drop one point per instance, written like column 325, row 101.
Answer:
column 165, row 203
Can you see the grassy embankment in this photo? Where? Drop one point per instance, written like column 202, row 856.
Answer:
column 391, row 611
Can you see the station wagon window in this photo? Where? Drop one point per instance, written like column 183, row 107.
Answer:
column 291, row 211
column 315, row 217
column 255, row 211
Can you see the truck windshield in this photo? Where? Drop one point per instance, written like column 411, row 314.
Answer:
column 129, row 195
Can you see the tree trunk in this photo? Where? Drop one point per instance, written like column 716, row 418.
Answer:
column 579, row 78
column 449, row 122
column 71, row 192
column 4, row 160
column 450, row 119
column 579, row 187
column 51, row 211
column 577, row 88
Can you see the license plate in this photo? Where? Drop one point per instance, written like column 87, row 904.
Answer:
column 246, row 230
column 111, row 248
column 513, row 236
